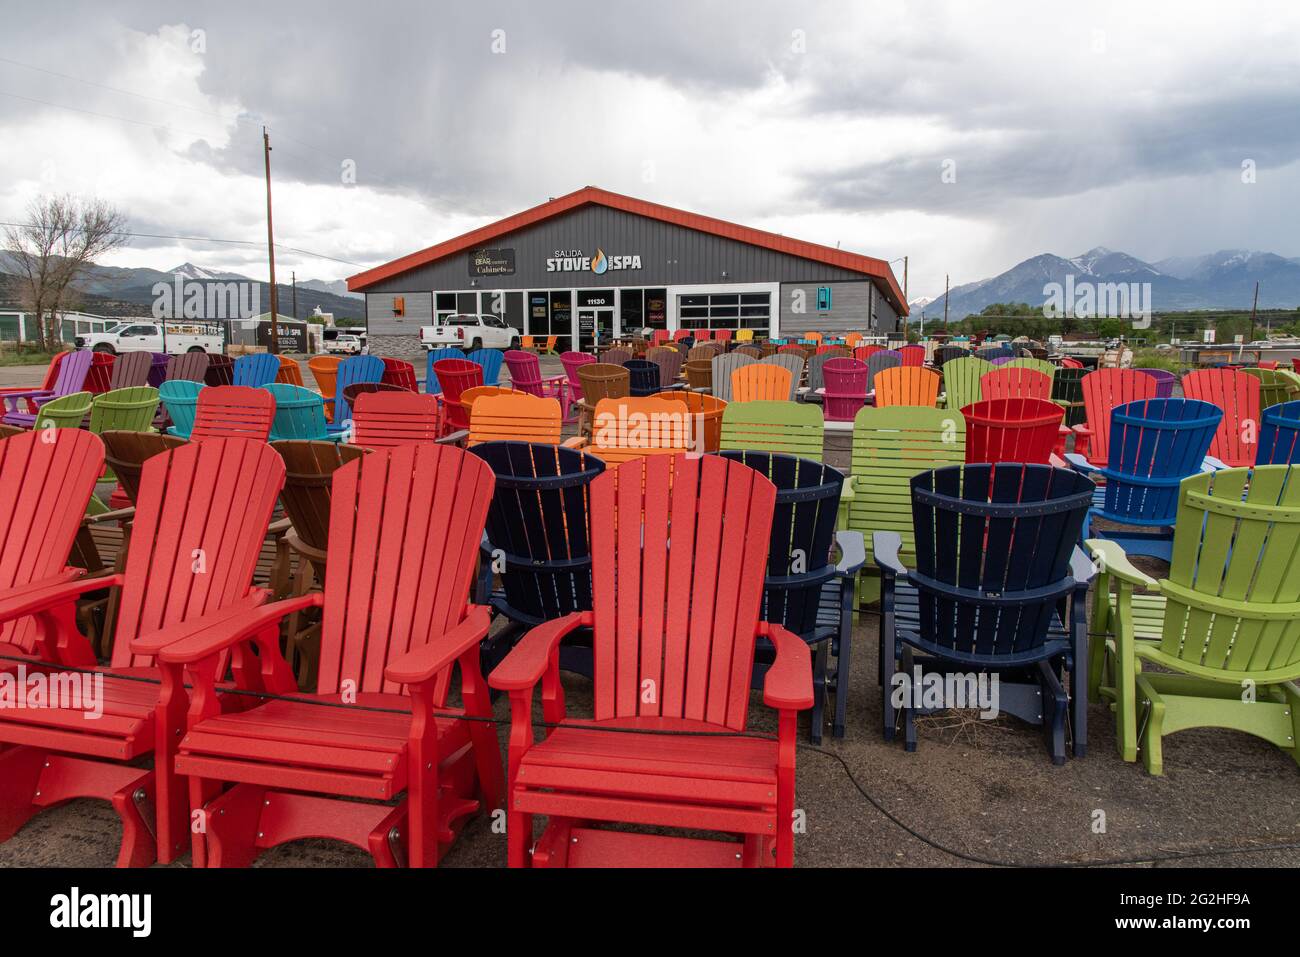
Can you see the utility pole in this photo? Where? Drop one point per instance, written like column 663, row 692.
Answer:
column 1253, row 306
column 270, row 243
column 293, row 277
column 945, row 301
column 904, row 279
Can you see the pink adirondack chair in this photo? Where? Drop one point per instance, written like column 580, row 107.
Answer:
column 526, row 376
column 572, row 362
column 71, row 378
column 846, row 388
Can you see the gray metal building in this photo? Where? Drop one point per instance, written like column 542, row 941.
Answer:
column 594, row 263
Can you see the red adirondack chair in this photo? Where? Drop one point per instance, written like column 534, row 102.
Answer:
column 1295, row 364
column 405, row 527
column 202, row 511
column 863, row 353
column 100, row 373
column 1015, row 382
column 230, row 411
column 1237, row 394
column 455, row 376
column 675, row 620
column 1012, row 430
column 1103, row 390
column 400, row 372
column 912, row 355
column 383, row 420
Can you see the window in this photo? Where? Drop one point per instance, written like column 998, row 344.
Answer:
column 728, row 310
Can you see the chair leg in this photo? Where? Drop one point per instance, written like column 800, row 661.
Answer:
column 909, row 712
column 1152, row 750
column 818, row 717
column 842, row 662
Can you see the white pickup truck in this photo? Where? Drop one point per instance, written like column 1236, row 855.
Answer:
column 168, row 336
column 345, row 341
column 470, row 333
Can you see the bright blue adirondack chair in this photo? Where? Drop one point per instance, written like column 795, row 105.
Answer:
column 71, row 377
column 1279, row 437
column 351, row 371
column 1154, row 445
column 299, row 414
column 431, row 385
column 490, row 360
column 181, row 397
column 256, row 370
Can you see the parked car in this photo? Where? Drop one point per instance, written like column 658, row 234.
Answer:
column 169, row 336
column 345, row 341
column 469, row 332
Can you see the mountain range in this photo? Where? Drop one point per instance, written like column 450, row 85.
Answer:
column 1220, row 280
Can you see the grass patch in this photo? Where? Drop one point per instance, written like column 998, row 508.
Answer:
column 8, row 358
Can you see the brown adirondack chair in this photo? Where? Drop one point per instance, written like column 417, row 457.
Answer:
column 203, row 511
column 190, row 366
column 600, row 380
column 699, row 374
column 221, row 370
column 131, row 370
column 405, row 527
column 675, row 622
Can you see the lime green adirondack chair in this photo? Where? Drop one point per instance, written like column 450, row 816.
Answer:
column 1273, row 386
column 1292, row 382
column 1226, row 622
column 961, row 381
column 124, row 410
column 65, row 412
column 890, row 445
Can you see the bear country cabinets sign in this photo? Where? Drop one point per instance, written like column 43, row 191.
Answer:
column 492, row 262
column 573, row 260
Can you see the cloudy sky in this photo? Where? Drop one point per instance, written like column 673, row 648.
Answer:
column 968, row 135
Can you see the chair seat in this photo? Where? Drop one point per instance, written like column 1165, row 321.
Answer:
column 281, row 743
column 907, row 615
column 124, row 730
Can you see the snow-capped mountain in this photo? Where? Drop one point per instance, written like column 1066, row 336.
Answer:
column 191, row 271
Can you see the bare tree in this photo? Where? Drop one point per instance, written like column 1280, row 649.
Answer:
column 62, row 236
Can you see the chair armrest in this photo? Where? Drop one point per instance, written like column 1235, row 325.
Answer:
column 853, row 553
column 427, row 661
column 788, row 682
column 281, row 527
column 192, row 642
column 1081, row 569
column 846, row 490
column 116, row 515
column 1113, row 561
column 527, row 661
column 1211, row 464
column 576, row 442
column 1080, row 462
column 454, row 438
column 51, row 592
column 886, row 546
column 1082, row 429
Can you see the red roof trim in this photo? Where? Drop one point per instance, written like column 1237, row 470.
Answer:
column 867, row 265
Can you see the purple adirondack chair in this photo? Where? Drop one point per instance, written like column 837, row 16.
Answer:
column 158, row 369
column 71, row 377
column 573, row 361
column 845, row 391
column 526, row 376
column 1164, row 382
column 1001, row 360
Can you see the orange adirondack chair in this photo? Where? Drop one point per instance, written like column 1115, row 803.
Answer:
column 760, row 382
column 202, row 512
column 624, row 429
column 514, row 417
column 906, row 385
column 325, row 370
column 290, row 371
column 384, row 420
column 1015, row 382
column 675, row 621
column 706, row 433
column 405, row 526
column 1237, row 394
column 233, row 411
column 1102, row 391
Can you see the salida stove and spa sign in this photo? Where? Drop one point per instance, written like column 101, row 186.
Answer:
column 492, row 262
column 574, row 260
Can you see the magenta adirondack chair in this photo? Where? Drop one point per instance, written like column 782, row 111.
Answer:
column 572, row 362
column 72, row 376
column 845, row 391
column 526, row 376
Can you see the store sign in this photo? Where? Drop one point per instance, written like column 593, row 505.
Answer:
column 492, row 262
column 573, row 260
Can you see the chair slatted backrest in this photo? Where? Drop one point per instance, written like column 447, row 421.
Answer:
column 645, row 377
column 669, row 362
column 817, row 366
column 256, row 370
column 405, row 527
column 325, row 370
column 353, row 370
column 799, row 552
column 233, row 411
column 1279, row 438
column 676, row 590
column 1029, row 362
column 48, row 480
column 158, row 369
column 130, row 409
column 218, row 370
column 993, row 353
column 1011, row 430
column 525, row 372
column 616, row 356
column 961, row 380
column 890, row 446
column 754, row 352
column 181, row 397
column 1011, row 381
column 437, row 355
column 603, row 380
column 912, row 355
column 65, row 412
column 131, row 370
column 72, row 373
column 515, row 417
column 704, row 352
column 299, row 412
column 383, row 420
column 1238, row 395
column 793, row 363
column 455, row 376
column 191, row 367
column 1105, row 389
column 572, row 362
column 878, row 362
column 539, row 519
column 1005, row 532
column 100, row 373
column 845, row 388
column 1165, row 381
column 126, row 452
column 309, row 470
column 907, row 385
column 1232, row 598
column 491, row 360
column 699, row 374
column 289, row 373
column 1272, row 386
column 945, row 354
column 761, row 382
column 790, row 428
column 723, row 366
column 1067, row 392
column 624, row 429
column 706, row 412
column 1154, row 445
column 400, row 373
column 866, row 352
column 205, row 505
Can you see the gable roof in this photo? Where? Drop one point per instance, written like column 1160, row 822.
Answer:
column 590, row 195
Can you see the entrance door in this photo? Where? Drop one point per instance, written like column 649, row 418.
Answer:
column 595, row 328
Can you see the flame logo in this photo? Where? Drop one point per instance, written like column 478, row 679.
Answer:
column 600, row 263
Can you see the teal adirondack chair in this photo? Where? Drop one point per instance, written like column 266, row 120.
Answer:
column 65, row 412
column 299, row 414
column 181, row 396
column 961, row 381
column 1223, row 627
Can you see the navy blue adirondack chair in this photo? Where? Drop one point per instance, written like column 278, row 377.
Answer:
column 538, row 540
column 256, row 370
column 644, row 376
column 808, row 589
column 1279, row 436
column 352, row 370
column 490, row 360
column 1000, row 588
column 1154, row 445
column 431, row 385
